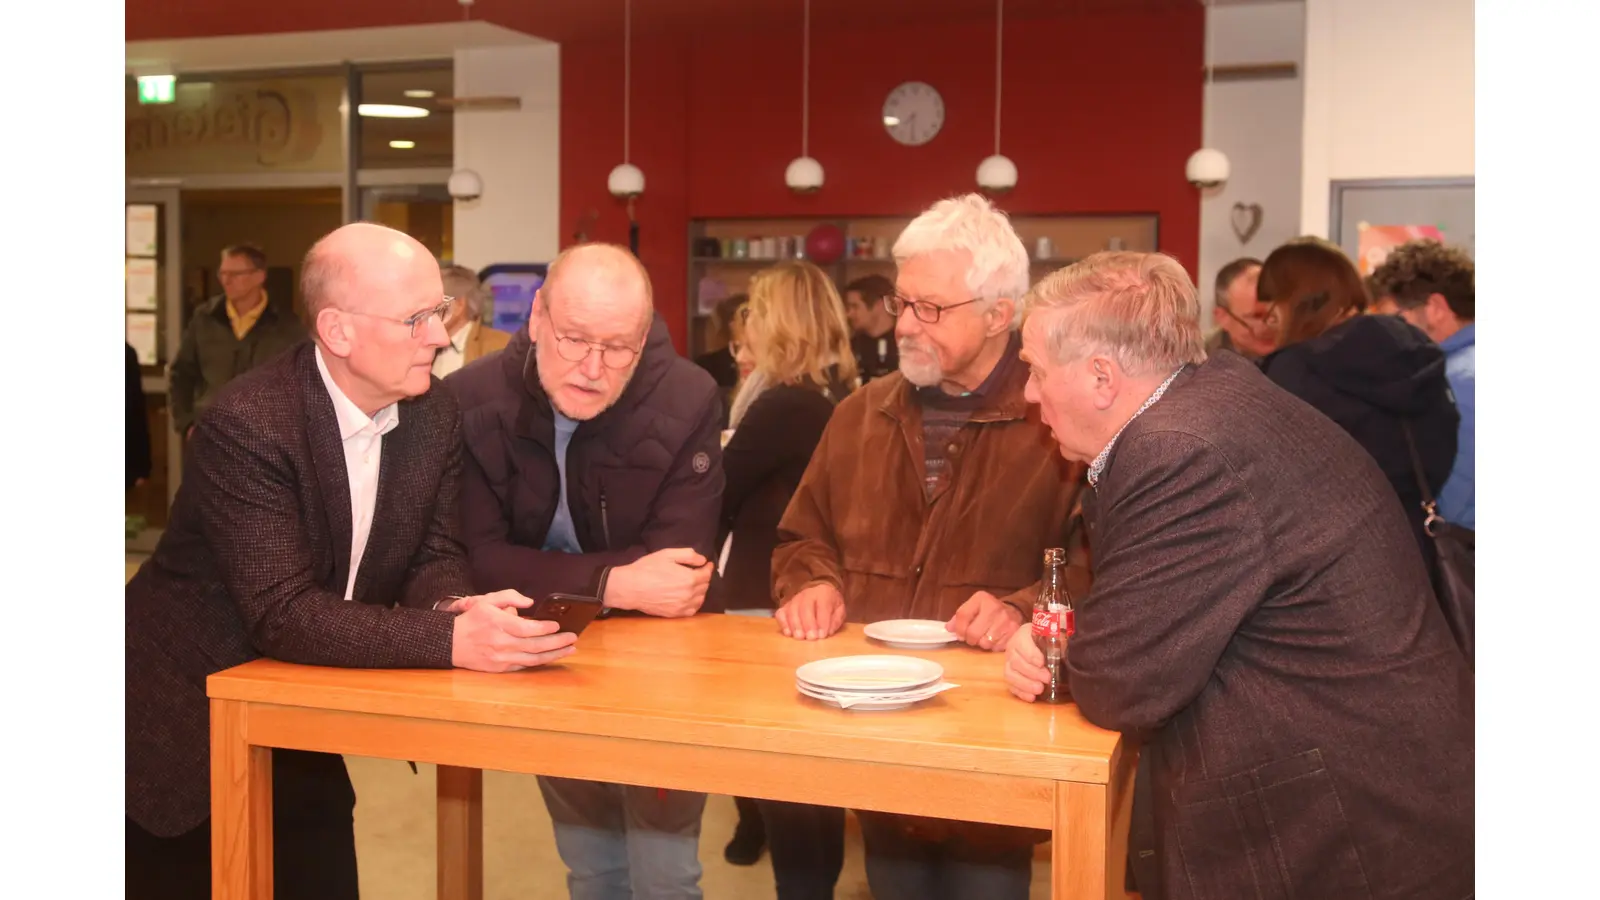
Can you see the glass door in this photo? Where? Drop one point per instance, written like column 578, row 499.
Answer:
column 153, row 309
column 424, row 211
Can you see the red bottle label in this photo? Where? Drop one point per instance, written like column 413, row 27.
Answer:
column 1069, row 622
column 1050, row 623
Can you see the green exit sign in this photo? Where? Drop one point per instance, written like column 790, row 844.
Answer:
column 157, row 88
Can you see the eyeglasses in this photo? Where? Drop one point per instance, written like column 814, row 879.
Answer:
column 922, row 309
column 419, row 321
column 576, row 350
column 225, row 274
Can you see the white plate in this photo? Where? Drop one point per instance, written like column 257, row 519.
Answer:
column 871, row 674
column 870, row 705
column 911, row 634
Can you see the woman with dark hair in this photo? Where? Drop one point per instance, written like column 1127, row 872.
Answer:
column 1376, row 376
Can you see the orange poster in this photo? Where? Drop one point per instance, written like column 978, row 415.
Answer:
column 1378, row 240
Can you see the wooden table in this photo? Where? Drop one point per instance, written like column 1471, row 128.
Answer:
column 705, row 704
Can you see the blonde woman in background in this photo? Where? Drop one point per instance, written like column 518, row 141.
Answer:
column 792, row 345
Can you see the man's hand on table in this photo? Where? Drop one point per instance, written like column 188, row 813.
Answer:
column 507, row 599
column 489, row 636
column 670, row 583
column 812, row 614
column 1026, row 675
column 985, row 621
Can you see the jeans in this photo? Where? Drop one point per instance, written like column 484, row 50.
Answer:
column 807, row 847
column 902, row 866
column 626, row 843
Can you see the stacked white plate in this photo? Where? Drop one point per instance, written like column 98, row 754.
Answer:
column 871, row 682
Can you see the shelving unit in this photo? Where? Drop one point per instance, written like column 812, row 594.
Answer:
column 1072, row 237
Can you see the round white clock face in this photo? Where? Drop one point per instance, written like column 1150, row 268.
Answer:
column 913, row 113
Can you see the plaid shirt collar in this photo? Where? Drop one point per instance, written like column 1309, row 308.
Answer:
column 1099, row 464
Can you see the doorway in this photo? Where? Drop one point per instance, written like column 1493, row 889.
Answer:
column 424, row 211
column 283, row 222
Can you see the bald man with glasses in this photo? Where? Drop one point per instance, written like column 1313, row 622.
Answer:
column 594, row 467
column 316, row 524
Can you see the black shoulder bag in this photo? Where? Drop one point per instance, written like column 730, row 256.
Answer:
column 1453, row 546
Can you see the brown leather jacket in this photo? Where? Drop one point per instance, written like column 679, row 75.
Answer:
column 859, row 519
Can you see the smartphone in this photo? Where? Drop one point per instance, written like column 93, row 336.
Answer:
column 572, row 612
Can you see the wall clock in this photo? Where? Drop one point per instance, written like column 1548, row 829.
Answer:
column 913, row 113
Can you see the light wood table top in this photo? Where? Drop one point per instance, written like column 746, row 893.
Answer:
column 707, row 703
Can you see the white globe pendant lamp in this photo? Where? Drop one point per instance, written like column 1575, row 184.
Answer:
column 998, row 174
column 1208, row 168
column 804, row 174
column 626, row 181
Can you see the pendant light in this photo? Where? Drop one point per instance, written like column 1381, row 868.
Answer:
column 1208, row 167
column 464, row 182
column 626, row 180
column 998, row 174
column 804, row 175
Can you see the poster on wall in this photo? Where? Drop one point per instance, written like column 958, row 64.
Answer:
column 141, row 275
column 142, row 336
column 141, row 229
column 1378, row 240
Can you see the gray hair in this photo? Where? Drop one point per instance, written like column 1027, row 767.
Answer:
column 463, row 284
column 1140, row 309
column 973, row 224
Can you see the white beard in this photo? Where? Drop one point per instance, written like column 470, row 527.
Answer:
column 920, row 367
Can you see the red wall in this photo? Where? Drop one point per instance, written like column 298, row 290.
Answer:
column 1101, row 111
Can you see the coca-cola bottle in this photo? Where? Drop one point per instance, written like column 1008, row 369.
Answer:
column 1052, row 623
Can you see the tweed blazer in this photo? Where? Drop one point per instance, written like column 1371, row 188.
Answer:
column 255, row 559
column 1262, row 619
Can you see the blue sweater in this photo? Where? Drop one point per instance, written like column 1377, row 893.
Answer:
column 1460, row 368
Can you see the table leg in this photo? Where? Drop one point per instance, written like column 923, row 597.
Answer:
column 241, row 808
column 460, row 826
column 1089, row 845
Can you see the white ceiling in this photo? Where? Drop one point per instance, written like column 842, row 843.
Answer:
column 317, row 48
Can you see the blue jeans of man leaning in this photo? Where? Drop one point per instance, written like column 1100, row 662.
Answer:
column 626, row 843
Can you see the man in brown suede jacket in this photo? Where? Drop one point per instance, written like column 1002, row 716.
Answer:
column 933, row 495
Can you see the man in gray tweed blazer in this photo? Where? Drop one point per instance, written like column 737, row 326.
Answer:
column 1261, row 619
column 316, row 524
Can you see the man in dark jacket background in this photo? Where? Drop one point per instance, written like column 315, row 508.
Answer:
column 594, row 467
column 229, row 335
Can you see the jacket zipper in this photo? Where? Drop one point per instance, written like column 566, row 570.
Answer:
column 605, row 521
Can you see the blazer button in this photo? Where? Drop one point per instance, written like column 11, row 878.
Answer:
column 952, row 449
column 917, row 571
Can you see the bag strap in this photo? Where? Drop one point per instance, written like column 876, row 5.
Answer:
column 1429, row 506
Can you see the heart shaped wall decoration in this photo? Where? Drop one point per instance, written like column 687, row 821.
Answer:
column 1246, row 220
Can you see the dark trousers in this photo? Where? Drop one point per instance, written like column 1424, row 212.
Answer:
column 806, row 844
column 903, row 866
column 313, row 835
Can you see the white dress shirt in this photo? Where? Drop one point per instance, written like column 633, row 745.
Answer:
column 363, row 452
column 453, row 355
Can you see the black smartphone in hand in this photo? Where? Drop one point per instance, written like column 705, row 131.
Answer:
column 571, row 612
